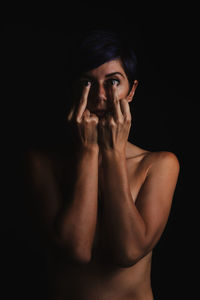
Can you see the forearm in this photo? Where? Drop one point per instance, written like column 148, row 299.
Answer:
column 123, row 225
column 78, row 222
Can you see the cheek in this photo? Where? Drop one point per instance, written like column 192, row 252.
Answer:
column 123, row 91
column 92, row 96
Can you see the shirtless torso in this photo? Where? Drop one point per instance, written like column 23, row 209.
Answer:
column 98, row 279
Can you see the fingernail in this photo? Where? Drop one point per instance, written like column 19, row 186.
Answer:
column 86, row 83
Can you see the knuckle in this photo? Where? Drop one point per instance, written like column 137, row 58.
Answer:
column 94, row 123
column 120, row 121
column 81, row 99
column 86, row 120
column 84, row 115
column 78, row 120
column 127, row 119
column 112, row 124
column 96, row 120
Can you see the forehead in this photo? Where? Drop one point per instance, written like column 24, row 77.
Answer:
column 107, row 68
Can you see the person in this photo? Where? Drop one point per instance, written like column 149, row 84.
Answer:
column 100, row 205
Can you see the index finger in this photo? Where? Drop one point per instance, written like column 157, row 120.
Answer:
column 82, row 103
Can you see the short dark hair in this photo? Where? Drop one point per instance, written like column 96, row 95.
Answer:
column 97, row 47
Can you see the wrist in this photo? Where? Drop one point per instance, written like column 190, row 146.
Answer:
column 115, row 153
column 91, row 149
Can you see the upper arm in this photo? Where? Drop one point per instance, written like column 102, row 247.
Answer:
column 155, row 197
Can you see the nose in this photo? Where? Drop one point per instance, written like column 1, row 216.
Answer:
column 98, row 97
column 101, row 93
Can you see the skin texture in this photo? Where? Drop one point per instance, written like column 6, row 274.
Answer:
column 103, row 209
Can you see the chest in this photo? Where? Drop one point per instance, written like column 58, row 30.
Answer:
column 136, row 173
column 66, row 176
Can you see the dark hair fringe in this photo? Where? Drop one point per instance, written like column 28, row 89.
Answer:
column 97, row 47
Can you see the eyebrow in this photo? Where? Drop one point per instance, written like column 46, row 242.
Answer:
column 114, row 73
column 107, row 75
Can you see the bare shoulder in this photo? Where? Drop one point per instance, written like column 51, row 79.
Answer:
column 163, row 159
column 155, row 163
column 162, row 169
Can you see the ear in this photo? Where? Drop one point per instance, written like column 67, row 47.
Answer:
column 132, row 92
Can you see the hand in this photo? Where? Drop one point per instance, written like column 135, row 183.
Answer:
column 83, row 123
column 115, row 127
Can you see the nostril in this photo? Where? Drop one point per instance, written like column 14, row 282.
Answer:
column 102, row 93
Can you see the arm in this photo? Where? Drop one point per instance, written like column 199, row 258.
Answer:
column 66, row 224
column 72, row 225
column 76, row 225
column 133, row 229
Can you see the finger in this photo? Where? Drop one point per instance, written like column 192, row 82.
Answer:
column 116, row 104
column 110, row 120
column 125, row 108
column 71, row 113
column 86, row 113
column 94, row 117
column 83, row 103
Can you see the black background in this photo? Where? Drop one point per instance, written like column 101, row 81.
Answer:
column 164, row 118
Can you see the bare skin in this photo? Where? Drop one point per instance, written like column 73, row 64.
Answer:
column 103, row 209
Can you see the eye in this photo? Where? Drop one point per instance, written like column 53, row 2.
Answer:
column 114, row 81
